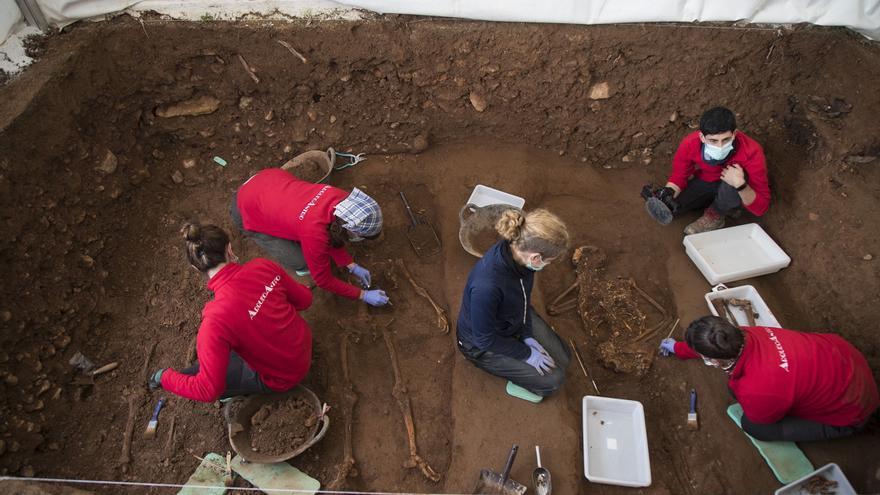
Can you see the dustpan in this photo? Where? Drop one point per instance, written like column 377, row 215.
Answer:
column 492, row 483
column 422, row 236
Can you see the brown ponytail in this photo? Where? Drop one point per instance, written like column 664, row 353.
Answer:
column 538, row 231
column 205, row 245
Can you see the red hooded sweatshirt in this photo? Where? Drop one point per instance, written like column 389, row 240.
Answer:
column 276, row 203
column 814, row 376
column 688, row 161
column 254, row 313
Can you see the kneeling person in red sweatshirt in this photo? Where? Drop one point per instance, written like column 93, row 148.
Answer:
column 305, row 226
column 252, row 339
column 792, row 386
column 718, row 169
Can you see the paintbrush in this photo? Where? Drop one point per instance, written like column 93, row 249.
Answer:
column 150, row 432
column 693, row 423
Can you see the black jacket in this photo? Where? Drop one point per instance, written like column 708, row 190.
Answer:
column 495, row 311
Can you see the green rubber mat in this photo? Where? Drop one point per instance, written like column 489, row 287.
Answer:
column 208, row 474
column 521, row 393
column 275, row 476
column 785, row 459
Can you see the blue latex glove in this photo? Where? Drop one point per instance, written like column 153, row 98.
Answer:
column 667, row 347
column 540, row 361
column 362, row 274
column 375, row 297
column 534, row 344
column 156, row 380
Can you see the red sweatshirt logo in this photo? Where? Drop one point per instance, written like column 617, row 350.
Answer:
column 783, row 360
column 253, row 312
column 313, row 202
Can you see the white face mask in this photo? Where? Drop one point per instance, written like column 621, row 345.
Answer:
column 535, row 268
column 723, row 364
column 717, row 152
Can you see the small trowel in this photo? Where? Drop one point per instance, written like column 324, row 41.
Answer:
column 541, row 477
column 88, row 377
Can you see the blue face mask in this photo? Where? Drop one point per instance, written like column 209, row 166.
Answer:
column 717, row 153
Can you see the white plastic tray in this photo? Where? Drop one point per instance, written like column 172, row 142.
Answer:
column 829, row 471
column 735, row 253
column 485, row 195
column 765, row 316
column 615, row 442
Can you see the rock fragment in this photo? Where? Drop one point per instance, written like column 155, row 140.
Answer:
column 108, row 163
column 203, row 105
column 478, row 101
column 600, row 91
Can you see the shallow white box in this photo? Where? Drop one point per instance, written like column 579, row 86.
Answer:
column 765, row 316
column 735, row 253
column 485, row 195
column 615, row 442
column 829, row 471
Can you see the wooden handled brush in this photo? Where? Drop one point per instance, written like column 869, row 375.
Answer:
column 693, row 423
column 150, row 432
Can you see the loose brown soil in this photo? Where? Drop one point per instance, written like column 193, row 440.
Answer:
column 93, row 187
column 282, row 426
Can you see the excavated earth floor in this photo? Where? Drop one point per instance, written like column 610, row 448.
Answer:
column 96, row 178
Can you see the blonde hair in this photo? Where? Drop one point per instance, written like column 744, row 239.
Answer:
column 537, row 231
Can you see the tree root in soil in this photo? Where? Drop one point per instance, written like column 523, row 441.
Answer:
column 400, row 395
column 442, row 319
column 247, row 68
column 346, row 469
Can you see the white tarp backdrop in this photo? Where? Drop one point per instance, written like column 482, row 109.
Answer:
column 861, row 15
column 10, row 18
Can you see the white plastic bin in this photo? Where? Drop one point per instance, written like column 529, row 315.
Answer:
column 765, row 316
column 485, row 195
column 735, row 253
column 615, row 442
column 830, row 472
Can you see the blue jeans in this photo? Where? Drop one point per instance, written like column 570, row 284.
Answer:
column 520, row 372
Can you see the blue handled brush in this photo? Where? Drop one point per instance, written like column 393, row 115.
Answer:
column 693, row 424
column 150, row 432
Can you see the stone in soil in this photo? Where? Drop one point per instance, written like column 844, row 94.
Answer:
column 202, row 105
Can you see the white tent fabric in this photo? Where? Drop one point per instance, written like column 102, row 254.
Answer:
column 861, row 15
column 10, row 18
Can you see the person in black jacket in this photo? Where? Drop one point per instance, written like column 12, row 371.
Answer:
column 498, row 330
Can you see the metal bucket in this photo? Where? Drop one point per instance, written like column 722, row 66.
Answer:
column 239, row 426
column 315, row 159
column 476, row 226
